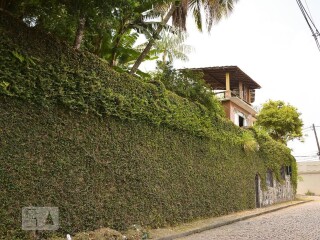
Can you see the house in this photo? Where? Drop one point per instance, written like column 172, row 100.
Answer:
column 235, row 89
column 309, row 177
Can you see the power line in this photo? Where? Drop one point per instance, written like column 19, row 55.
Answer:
column 306, row 156
column 305, row 1
column 315, row 32
column 310, row 128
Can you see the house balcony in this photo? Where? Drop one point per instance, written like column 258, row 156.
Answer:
column 236, row 91
column 234, row 97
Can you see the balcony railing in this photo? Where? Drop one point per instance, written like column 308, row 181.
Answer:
column 224, row 94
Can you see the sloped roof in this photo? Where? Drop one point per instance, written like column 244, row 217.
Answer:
column 216, row 77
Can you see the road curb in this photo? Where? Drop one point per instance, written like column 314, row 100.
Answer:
column 216, row 225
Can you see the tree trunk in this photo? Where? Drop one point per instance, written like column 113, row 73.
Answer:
column 80, row 32
column 4, row 4
column 115, row 46
column 151, row 41
column 97, row 45
column 8, row 5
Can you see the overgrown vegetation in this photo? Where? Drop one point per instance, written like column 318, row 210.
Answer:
column 281, row 120
column 309, row 193
column 104, row 28
column 190, row 85
column 48, row 74
column 110, row 150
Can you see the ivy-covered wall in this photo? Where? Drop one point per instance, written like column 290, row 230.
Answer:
column 109, row 149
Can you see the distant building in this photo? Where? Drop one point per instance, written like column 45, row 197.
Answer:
column 235, row 89
column 309, row 177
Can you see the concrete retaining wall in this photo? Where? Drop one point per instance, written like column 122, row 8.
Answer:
column 278, row 192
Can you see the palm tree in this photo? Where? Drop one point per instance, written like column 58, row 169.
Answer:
column 214, row 10
column 171, row 46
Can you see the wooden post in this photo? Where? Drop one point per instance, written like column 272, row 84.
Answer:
column 240, row 90
column 228, row 92
column 227, row 81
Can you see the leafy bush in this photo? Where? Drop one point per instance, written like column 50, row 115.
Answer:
column 309, row 193
column 189, row 84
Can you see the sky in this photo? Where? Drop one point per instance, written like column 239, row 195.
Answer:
column 271, row 42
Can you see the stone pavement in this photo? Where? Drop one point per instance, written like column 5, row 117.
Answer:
column 295, row 223
column 212, row 223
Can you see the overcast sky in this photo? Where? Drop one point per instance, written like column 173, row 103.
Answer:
column 271, row 42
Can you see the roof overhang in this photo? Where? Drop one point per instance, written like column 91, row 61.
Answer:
column 216, row 77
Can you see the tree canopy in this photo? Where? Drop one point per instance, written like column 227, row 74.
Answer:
column 210, row 10
column 281, row 120
column 109, row 29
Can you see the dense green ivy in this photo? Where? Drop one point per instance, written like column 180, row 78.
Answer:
column 110, row 150
column 49, row 72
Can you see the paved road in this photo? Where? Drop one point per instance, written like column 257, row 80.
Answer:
column 293, row 223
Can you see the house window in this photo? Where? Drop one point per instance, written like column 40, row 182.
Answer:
column 288, row 170
column 269, row 178
column 283, row 173
column 241, row 121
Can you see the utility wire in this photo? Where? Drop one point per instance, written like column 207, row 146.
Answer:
column 310, row 128
column 305, row 1
column 308, row 18
column 306, row 156
column 315, row 32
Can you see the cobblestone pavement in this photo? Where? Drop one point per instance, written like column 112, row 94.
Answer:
column 294, row 223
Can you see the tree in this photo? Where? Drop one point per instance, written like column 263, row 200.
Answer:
column 214, row 10
column 171, row 46
column 130, row 22
column 83, row 21
column 282, row 121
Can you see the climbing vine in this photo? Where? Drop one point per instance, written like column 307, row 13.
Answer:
column 111, row 150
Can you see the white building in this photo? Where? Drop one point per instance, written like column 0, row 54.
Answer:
column 309, row 177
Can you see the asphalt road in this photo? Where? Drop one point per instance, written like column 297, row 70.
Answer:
column 298, row 222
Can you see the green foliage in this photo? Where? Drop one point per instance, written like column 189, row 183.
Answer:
column 282, row 121
column 249, row 142
column 309, row 193
column 108, row 24
column 108, row 172
column 110, row 150
column 273, row 152
column 190, row 85
column 97, row 89
column 211, row 11
column 170, row 46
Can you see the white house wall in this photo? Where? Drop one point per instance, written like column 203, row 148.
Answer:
column 309, row 177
